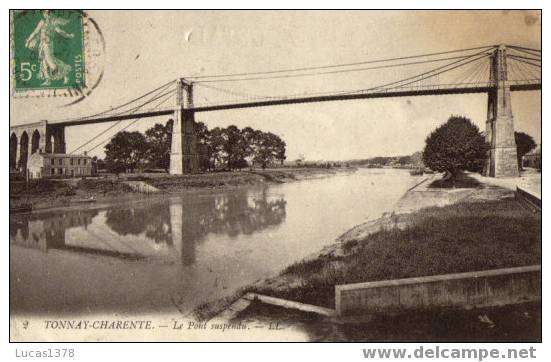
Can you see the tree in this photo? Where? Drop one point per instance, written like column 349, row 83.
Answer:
column 525, row 143
column 457, row 145
column 158, row 139
column 125, row 151
column 253, row 140
column 270, row 147
column 216, row 144
column 280, row 150
column 234, row 146
column 204, row 149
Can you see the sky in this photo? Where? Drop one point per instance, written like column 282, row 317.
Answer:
column 145, row 49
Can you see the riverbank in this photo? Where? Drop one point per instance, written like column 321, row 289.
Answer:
column 46, row 194
column 434, row 229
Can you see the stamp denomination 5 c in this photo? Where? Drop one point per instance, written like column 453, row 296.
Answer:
column 48, row 52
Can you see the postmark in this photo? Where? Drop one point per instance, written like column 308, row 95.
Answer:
column 53, row 53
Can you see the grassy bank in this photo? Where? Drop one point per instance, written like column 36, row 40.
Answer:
column 46, row 193
column 471, row 235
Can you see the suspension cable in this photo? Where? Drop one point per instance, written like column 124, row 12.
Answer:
column 127, row 126
column 331, row 72
column 418, row 77
column 162, row 87
column 118, row 122
column 524, row 61
column 338, row 65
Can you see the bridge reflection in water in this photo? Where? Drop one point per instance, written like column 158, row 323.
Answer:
column 167, row 230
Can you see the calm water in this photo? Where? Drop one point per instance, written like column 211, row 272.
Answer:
column 149, row 256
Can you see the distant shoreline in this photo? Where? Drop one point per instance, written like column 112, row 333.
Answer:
column 47, row 194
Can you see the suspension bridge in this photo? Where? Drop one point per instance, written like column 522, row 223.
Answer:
column 496, row 70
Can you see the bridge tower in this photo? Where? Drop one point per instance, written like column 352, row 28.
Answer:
column 183, row 149
column 500, row 132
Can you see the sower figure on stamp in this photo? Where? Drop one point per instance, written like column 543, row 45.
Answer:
column 41, row 39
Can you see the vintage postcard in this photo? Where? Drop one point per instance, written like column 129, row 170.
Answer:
column 297, row 176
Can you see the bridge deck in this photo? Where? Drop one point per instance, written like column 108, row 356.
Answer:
column 308, row 99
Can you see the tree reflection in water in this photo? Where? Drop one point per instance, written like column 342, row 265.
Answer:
column 176, row 224
column 47, row 231
column 184, row 224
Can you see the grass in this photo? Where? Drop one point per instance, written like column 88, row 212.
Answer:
column 464, row 237
column 102, row 186
column 34, row 187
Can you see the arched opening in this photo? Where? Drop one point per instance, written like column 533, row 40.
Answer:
column 35, row 141
column 24, row 144
column 13, row 151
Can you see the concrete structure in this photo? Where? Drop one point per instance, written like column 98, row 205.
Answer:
column 183, row 150
column 463, row 290
column 47, row 165
column 529, row 198
column 500, row 132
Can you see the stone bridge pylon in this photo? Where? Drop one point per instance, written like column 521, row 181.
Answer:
column 31, row 138
column 183, row 149
column 500, row 131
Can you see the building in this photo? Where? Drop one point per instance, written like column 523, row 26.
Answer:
column 60, row 165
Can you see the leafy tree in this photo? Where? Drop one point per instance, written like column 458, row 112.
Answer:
column 228, row 147
column 269, row 148
column 158, row 139
column 234, row 146
column 216, row 144
column 456, row 145
column 280, row 150
column 525, row 143
column 252, row 139
column 204, row 149
column 125, row 151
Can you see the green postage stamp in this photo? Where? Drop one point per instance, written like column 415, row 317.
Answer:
column 48, row 52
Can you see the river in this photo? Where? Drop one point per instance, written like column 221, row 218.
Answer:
column 152, row 255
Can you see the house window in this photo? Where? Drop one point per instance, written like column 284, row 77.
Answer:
column 72, row 162
column 52, row 160
column 60, row 162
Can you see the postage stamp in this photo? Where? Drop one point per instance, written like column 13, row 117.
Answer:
column 49, row 53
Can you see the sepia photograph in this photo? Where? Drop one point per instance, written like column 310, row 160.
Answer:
column 275, row 176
